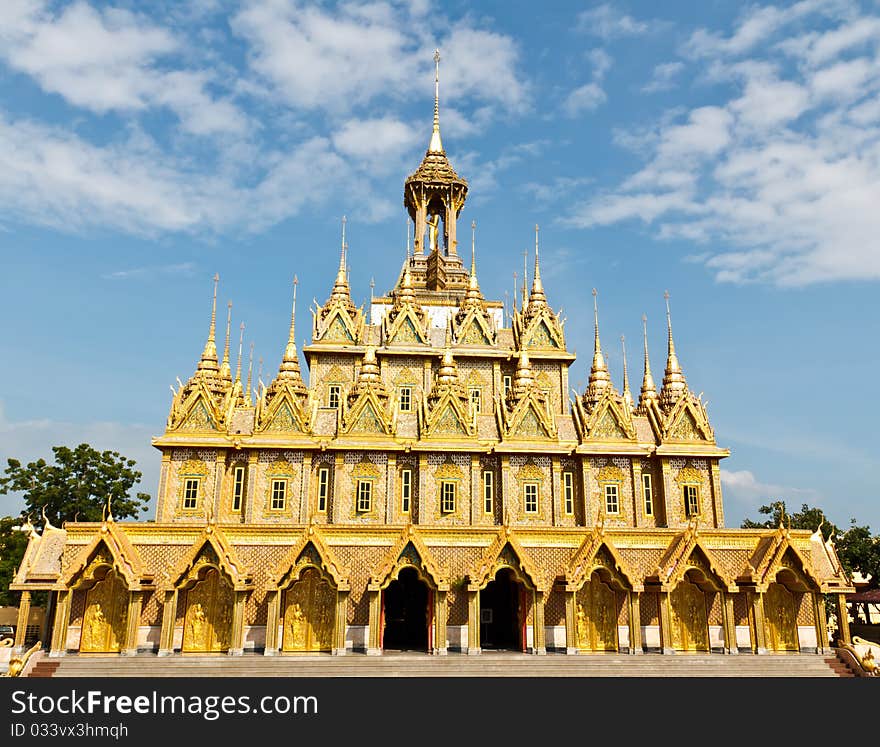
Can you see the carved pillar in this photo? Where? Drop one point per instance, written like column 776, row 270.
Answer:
column 219, row 470
column 273, row 602
column 420, row 513
column 672, row 519
column 341, row 622
column 570, row 629
column 341, row 502
column 538, row 635
column 590, row 511
column 759, row 642
column 451, row 240
column 392, row 504
column 665, row 624
column 421, row 218
column 728, row 622
column 374, row 644
column 251, row 487
column 473, row 646
column 24, row 609
column 236, row 645
column 48, row 617
column 307, row 501
column 556, row 504
column 635, row 623
column 843, row 619
column 169, row 617
column 135, row 602
column 62, row 620
column 441, row 612
column 505, row 492
column 820, row 622
column 717, row 504
column 639, row 518
column 476, row 491
column 163, row 482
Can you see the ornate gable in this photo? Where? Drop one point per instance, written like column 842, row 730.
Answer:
column 406, row 325
column 530, row 419
column 609, row 420
column 367, row 415
column 449, row 416
column 776, row 553
column 686, row 551
column 474, row 328
column 109, row 547
column 339, row 324
column 410, row 551
column 687, row 421
column 196, row 410
column 211, row 548
column 505, row 551
column 284, row 413
column 596, row 551
column 310, row 550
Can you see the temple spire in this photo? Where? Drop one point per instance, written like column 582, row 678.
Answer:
column 240, row 344
column 537, row 297
column 649, row 391
column 627, row 394
column 473, row 292
column 225, row 369
column 674, row 383
column 289, row 367
column 340, row 287
column 600, row 379
column 436, row 145
column 209, row 354
column 247, row 398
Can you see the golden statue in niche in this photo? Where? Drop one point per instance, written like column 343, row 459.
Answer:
column 106, row 616
column 208, row 620
column 780, row 614
column 688, row 617
column 433, row 231
column 309, row 614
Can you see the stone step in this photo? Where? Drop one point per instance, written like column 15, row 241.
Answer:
column 495, row 664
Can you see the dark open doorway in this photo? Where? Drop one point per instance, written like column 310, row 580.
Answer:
column 500, row 623
column 406, row 613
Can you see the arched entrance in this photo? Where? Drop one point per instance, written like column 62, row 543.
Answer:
column 309, row 613
column 106, row 614
column 780, row 614
column 596, row 611
column 405, row 613
column 208, row 621
column 689, row 617
column 501, row 613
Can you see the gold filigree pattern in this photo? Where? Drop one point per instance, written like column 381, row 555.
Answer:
column 106, row 616
column 207, row 624
column 688, row 618
column 780, row 616
column 596, row 616
column 309, row 613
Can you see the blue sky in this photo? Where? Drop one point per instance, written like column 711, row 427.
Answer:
column 726, row 152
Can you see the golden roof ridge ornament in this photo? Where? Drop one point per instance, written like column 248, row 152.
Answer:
column 537, row 296
column 247, row 400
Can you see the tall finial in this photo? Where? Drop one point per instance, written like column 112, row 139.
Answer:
column 224, row 366
column 514, row 292
column 289, row 368
column 627, row 394
column 436, row 145
column 649, row 391
column 247, row 399
column 473, row 247
column 240, row 344
column 537, row 297
column 209, row 354
column 407, row 239
column 600, row 379
column 525, row 282
column 340, row 286
column 674, row 383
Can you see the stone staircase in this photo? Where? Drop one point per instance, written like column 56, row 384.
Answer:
column 494, row 664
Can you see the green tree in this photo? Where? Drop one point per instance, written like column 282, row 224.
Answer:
column 12, row 546
column 77, row 486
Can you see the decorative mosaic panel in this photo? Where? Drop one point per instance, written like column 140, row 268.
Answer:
column 151, row 609
column 77, row 606
column 740, row 609
column 554, row 607
column 622, row 608
column 361, row 562
column 713, row 607
column 260, row 560
column 804, row 608
column 649, row 608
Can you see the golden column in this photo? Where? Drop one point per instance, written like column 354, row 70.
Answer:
column 62, row 620
column 842, row 619
column 374, row 644
column 473, row 646
column 759, row 640
column 273, row 600
column 135, row 601
column 341, row 621
column 236, row 647
column 169, row 617
column 821, row 622
column 24, row 609
column 440, row 614
column 571, row 642
column 728, row 622
column 635, row 623
column 665, row 623
column 539, row 643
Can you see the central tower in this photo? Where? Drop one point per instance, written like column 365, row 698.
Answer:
column 434, row 196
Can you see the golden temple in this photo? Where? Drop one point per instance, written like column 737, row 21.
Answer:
column 433, row 488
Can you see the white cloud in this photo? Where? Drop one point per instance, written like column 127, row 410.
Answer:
column 110, row 61
column 742, row 488
column 662, row 77
column 181, row 268
column 28, row 440
column 607, row 22
column 318, row 59
column 584, row 98
column 780, row 178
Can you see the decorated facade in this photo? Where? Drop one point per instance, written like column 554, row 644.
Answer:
column 433, row 487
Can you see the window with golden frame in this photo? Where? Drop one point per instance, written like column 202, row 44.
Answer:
column 405, row 490
column 568, row 492
column 323, row 487
column 448, row 489
column 237, row 488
